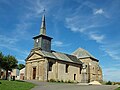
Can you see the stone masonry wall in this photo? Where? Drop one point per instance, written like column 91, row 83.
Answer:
column 59, row 72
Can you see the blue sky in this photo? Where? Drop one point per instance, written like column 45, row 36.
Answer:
column 90, row 24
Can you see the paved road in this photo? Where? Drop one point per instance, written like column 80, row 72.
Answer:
column 64, row 86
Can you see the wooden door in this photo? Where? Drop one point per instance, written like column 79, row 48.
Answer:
column 34, row 72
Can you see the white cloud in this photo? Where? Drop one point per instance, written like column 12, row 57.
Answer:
column 90, row 25
column 10, row 43
column 113, row 50
column 22, row 30
column 6, row 40
column 85, row 26
column 26, row 20
column 78, row 24
column 98, row 38
column 98, row 11
column 57, row 43
column 35, row 8
column 33, row 11
column 113, row 54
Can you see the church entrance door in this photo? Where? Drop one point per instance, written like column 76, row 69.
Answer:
column 34, row 72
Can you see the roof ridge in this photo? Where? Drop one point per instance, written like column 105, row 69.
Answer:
column 80, row 52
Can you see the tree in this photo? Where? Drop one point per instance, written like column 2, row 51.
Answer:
column 109, row 83
column 21, row 66
column 8, row 63
column 1, row 58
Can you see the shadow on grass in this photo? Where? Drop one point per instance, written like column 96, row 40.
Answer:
column 13, row 81
column 19, row 81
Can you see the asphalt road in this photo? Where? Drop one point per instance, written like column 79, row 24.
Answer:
column 64, row 86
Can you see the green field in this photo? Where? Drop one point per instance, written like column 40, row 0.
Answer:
column 118, row 88
column 15, row 85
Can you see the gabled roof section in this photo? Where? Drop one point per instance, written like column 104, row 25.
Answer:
column 66, row 57
column 49, row 54
column 73, row 58
column 61, row 57
column 37, row 52
column 82, row 53
column 54, row 55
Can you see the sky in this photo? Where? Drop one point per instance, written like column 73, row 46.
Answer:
column 90, row 24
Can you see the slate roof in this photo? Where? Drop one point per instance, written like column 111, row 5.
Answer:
column 77, row 54
column 62, row 57
column 48, row 54
column 82, row 53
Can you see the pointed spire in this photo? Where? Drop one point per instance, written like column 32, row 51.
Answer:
column 43, row 27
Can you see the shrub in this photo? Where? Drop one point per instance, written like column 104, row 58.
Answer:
column 52, row 80
column 116, row 83
column 58, row 80
column 70, row 81
column 62, row 81
column 109, row 83
column 66, row 82
column 73, row 82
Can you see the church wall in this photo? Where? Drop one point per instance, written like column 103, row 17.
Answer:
column 28, row 70
column 45, row 70
column 41, row 71
column 59, row 72
column 72, row 69
column 100, row 75
column 53, row 73
column 92, row 69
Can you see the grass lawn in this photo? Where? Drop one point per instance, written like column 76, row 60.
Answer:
column 15, row 85
column 118, row 88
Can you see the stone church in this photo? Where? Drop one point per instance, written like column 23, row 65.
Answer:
column 45, row 64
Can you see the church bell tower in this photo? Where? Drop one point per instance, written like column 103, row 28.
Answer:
column 42, row 41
